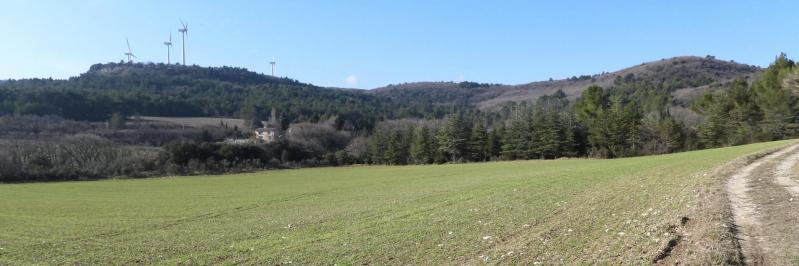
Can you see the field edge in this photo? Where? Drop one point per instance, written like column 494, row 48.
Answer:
column 707, row 234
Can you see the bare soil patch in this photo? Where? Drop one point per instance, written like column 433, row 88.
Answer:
column 764, row 210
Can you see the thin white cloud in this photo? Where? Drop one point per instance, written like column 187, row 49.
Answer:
column 351, row 80
column 460, row 78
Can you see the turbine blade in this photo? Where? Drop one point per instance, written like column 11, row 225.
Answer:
column 128, row 42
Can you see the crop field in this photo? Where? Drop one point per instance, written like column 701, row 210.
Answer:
column 197, row 122
column 558, row 211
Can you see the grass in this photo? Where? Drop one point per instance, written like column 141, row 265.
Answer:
column 197, row 122
column 561, row 211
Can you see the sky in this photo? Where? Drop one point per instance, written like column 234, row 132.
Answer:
column 373, row 43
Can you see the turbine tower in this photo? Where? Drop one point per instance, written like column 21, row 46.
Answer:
column 129, row 53
column 273, row 62
column 184, row 31
column 168, row 49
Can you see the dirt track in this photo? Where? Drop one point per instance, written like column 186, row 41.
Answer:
column 764, row 196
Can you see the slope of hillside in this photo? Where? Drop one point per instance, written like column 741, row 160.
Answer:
column 173, row 90
column 684, row 76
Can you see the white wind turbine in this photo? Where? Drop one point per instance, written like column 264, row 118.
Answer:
column 168, row 49
column 184, row 31
column 130, row 52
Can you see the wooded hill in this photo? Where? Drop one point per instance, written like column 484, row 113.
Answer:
column 174, row 90
column 684, row 78
column 680, row 104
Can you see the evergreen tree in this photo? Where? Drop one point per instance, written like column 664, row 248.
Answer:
column 478, row 142
column 631, row 125
column 453, row 138
column 713, row 132
column 531, row 144
column 672, row 135
column 421, row 148
column 549, row 138
column 377, row 148
column 590, row 104
column 591, row 110
column 395, row 153
column 569, row 140
column 495, row 142
column 778, row 104
column 616, row 134
column 744, row 114
column 514, row 139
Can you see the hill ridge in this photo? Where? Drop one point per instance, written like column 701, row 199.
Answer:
column 489, row 96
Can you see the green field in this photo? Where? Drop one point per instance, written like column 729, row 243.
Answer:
column 572, row 211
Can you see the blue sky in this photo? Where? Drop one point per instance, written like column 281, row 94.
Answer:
column 367, row 44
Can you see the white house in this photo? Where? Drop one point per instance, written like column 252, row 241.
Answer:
column 271, row 131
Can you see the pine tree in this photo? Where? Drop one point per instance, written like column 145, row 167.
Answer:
column 495, row 142
column 778, row 104
column 532, row 140
column 453, row 139
column 716, row 108
column 421, row 150
column 591, row 109
column 567, row 131
column 478, row 142
column 632, row 125
column 589, row 105
column 514, row 139
column 377, row 148
column 390, row 154
column 744, row 115
column 672, row 133
column 394, row 153
column 549, row 137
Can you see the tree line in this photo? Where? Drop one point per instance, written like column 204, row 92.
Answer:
column 762, row 111
column 630, row 118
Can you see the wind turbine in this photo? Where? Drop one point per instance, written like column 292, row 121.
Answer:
column 168, row 49
column 273, row 62
column 184, row 31
column 129, row 53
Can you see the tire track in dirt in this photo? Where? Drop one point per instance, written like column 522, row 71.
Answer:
column 747, row 214
column 784, row 175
